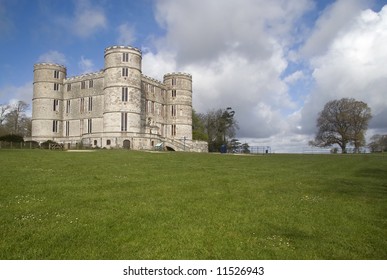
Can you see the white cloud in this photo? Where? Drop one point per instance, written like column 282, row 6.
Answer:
column 353, row 66
column 235, row 51
column 53, row 57
column 330, row 24
column 88, row 22
column 126, row 34
column 253, row 90
column 88, row 18
column 86, row 65
column 156, row 65
column 18, row 93
column 294, row 77
column 201, row 30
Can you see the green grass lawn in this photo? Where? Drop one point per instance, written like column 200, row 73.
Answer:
column 138, row 205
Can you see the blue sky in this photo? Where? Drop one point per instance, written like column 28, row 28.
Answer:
column 275, row 62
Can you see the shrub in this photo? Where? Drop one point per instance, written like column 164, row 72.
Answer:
column 32, row 144
column 12, row 138
column 46, row 144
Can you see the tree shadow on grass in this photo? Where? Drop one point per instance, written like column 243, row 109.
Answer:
column 366, row 183
column 377, row 178
column 375, row 173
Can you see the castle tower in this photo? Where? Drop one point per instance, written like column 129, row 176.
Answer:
column 122, row 91
column 47, row 101
column 179, row 100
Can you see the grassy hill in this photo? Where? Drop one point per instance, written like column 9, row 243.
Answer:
column 139, row 205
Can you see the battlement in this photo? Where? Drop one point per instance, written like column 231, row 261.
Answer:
column 187, row 75
column 86, row 76
column 122, row 47
column 150, row 79
column 45, row 64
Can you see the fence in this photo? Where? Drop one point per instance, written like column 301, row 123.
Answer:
column 19, row 145
column 48, row 145
column 260, row 149
column 316, row 150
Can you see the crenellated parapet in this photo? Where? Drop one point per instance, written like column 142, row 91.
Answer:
column 187, row 75
column 46, row 65
column 86, row 76
column 152, row 80
column 120, row 48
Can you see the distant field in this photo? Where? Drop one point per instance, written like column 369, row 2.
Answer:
column 138, row 205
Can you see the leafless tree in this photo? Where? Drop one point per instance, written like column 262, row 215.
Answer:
column 16, row 120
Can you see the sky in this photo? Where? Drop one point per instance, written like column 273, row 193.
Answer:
column 276, row 63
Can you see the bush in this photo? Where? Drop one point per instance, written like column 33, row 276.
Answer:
column 46, row 144
column 12, row 138
column 32, row 144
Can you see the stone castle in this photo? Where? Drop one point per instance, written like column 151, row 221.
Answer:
column 118, row 107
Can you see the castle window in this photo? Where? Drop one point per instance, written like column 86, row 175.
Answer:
column 82, row 105
column 158, row 110
column 125, row 57
column 67, row 128
column 108, row 142
column 91, row 83
column 173, row 93
column 67, row 106
column 173, row 130
column 95, row 142
column 90, row 105
column 83, row 85
column 68, row 87
column 125, row 72
column 173, row 81
column 81, row 123
column 55, row 126
column 56, row 74
column 56, row 87
column 56, row 105
column 151, row 107
column 89, row 125
column 124, row 121
column 124, row 94
column 173, row 110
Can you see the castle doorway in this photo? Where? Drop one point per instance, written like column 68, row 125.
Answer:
column 126, row 144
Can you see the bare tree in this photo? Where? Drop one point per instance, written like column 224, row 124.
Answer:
column 343, row 122
column 378, row 143
column 16, row 119
column 4, row 109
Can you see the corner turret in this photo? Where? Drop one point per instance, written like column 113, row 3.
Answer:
column 179, row 100
column 47, row 101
